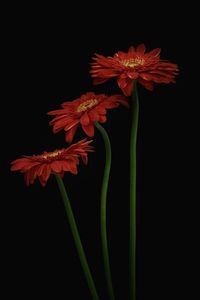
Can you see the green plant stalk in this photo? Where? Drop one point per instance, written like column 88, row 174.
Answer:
column 77, row 239
column 133, row 157
column 104, row 189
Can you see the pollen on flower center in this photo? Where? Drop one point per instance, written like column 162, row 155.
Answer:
column 86, row 105
column 51, row 154
column 133, row 62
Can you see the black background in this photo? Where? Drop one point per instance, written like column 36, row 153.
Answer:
column 47, row 55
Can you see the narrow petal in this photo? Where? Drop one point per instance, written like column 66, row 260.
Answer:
column 65, row 165
column 33, row 174
column 70, row 125
column 85, row 120
column 101, row 109
column 56, row 166
column 30, row 165
column 146, row 76
column 141, row 49
column 99, row 80
column 84, row 158
column 126, row 84
column 93, row 115
column 154, row 52
column 89, row 129
column 122, row 81
column 19, row 164
column 72, row 167
column 70, row 134
column 132, row 75
column 40, row 170
column 128, row 89
column 102, row 119
column 46, row 172
column 42, row 181
column 131, row 50
column 147, row 84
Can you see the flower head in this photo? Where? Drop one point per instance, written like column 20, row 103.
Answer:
column 58, row 162
column 146, row 68
column 86, row 110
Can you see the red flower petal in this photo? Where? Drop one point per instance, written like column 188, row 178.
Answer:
column 19, row 164
column 132, row 75
column 126, row 84
column 154, row 52
column 42, row 181
column 93, row 115
column 146, row 76
column 65, row 166
column 89, row 129
column 147, row 84
column 141, row 49
column 85, row 120
column 72, row 167
column 70, row 134
column 46, row 173
column 131, row 50
column 33, row 174
column 99, row 80
column 128, row 89
column 102, row 119
column 56, row 166
column 101, row 108
column 122, row 81
column 84, row 158
column 40, row 169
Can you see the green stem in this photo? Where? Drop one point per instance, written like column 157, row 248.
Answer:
column 77, row 239
column 133, row 145
column 103, row 210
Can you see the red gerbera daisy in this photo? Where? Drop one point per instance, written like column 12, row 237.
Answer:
column 57, row 161
column 86, row 110
column 147, row 68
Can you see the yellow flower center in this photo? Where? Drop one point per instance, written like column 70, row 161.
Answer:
column 133, row 62
column 51, row 154
column 86, row 105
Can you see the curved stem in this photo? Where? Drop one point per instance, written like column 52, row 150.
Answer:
column 77, row 239
column 133, row 145
column 103, row 210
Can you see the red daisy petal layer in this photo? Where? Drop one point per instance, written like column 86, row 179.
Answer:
column 86, row 110
column 58, row 162
column 147, row 68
